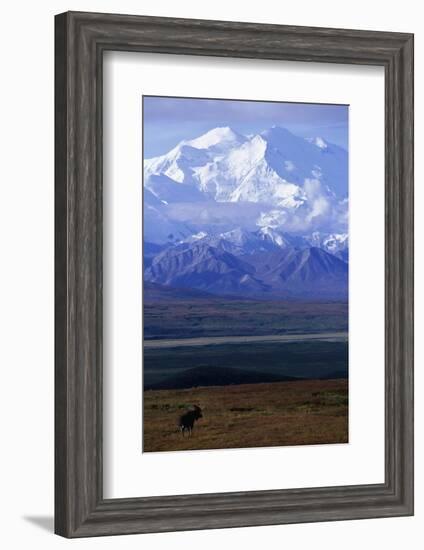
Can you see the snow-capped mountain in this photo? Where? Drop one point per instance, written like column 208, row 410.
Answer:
column 334, row 243
column 218, row 140
column 281, row 239
column 297, row 185
column 236, row 241
column 260, row 215
column 270, row 167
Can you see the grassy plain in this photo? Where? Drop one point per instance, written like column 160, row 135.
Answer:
column 249, row 415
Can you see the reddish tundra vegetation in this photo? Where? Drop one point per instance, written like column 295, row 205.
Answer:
column 248, row 415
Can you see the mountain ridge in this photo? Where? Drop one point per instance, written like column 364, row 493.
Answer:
column 280, row 273
column 251, row 216
column 291, row 183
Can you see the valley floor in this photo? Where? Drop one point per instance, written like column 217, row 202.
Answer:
column 167, row 319
column 205, row 341
column 249, row 415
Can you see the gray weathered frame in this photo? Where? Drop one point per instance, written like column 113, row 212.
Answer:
column 81, row 39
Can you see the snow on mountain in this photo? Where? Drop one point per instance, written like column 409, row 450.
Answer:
column 334, row 243
column 168, row 190
column 237, row 241
column 297, row 160
column 248, row 242
column 178, row 164
column 298, row 185
column 281, row 239
column 318, row 141
column 257, row 179
column 181, row 163
column 196, row 237
column 218, row 138
column 229, row 166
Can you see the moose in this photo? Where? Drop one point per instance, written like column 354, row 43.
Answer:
column 187, row 420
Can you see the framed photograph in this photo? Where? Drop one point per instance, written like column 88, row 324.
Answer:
column 234, row 274
column 245, row 248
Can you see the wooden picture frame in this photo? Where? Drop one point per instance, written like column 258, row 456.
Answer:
column 81, row 39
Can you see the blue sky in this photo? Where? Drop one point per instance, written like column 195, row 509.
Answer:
column 169, row 120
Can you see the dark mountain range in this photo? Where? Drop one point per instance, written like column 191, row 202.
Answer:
column 150, row 250
column 277, row 273
column 204, row 267
column 308, row 271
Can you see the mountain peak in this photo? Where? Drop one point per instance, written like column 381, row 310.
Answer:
column 276, row 132
column 278, row 178
column 216, row 136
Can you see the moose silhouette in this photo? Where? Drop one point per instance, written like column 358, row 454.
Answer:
column 187, row 420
